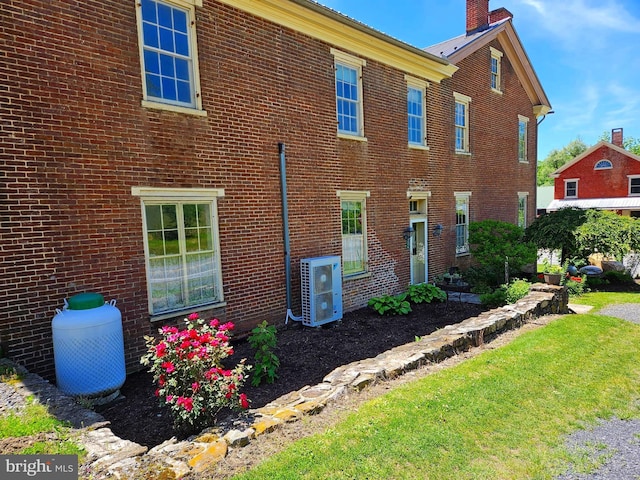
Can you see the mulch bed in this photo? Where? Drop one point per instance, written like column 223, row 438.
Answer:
column 306, row 356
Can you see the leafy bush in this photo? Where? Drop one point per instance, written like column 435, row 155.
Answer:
column 618, row 277
column 390, row 304
column 608, row 233
column 187, row 365
column 506, row 294
column 494, row 299
column 517, row 290
column 263, row 340
column 576, row 285
column 492, row 242
column 557, row 231
column 426, row 293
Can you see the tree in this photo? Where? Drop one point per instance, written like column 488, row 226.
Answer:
column 557, row 231
column 607, row 233
column 558, row 158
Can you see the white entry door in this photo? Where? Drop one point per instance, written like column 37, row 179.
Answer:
column 419, row 252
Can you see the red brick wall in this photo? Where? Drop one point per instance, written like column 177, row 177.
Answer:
column 599, row 183
column 75, row 140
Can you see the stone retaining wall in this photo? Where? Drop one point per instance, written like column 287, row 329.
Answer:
column 108, row 455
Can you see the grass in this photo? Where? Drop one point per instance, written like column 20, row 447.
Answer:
column 34, row 420
column 504, row 414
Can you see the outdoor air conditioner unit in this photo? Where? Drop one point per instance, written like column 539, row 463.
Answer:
column 321, row 281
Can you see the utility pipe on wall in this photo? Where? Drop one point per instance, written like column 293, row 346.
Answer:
column 285, row 226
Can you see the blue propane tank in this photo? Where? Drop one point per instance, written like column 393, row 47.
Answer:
column 88, row 347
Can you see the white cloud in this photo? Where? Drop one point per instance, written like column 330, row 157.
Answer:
column 583, row 23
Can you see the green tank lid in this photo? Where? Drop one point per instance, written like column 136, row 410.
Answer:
column 86, row 301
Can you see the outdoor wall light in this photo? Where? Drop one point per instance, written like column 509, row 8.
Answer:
column 437, row 230
column 408, row 234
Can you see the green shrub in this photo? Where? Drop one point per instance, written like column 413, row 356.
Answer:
column 618, row 277
column 493, row 242
column 263, row 340
column 517, row 290
column 506, row 294
column 426, row 293
column 576, row 286
column 390, row 304
column 494, row 299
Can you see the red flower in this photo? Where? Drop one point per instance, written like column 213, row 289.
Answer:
column 193, row 316
column 168, row 366
column 186, row 402
column 244, row 402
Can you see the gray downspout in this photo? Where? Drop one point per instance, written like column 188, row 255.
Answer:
column 285, row 226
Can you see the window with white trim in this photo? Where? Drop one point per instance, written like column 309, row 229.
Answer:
column 416, row 112
column 462, row 222
column 522, row 209
column 461, row 121
column 523, row 124
column 634, row 185
column 496, row 67
column 181, row 244
column 167, row 38
column 348, row 77
column 571, row 188
column 354, row 231
column 603, row 164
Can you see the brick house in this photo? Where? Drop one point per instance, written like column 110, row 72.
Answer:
column 605, row 177
column 144, row 146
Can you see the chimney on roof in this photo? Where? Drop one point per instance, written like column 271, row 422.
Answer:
column 499, row 14
column 477, row 15
column 616, row 137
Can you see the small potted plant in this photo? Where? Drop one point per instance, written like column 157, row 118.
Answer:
column 552, row 273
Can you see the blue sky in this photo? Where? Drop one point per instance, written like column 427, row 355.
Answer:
column 586, row 54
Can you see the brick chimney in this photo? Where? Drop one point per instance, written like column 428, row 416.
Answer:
column 499, row 14
column 477, row 15
column 616, row 137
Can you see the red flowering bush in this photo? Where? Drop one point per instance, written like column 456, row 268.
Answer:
column 187, row 365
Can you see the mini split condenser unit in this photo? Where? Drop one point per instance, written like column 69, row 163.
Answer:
column 321, row 280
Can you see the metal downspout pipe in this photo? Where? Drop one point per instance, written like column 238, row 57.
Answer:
column 285, row 226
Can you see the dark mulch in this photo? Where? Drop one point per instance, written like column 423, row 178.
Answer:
column 306, row 356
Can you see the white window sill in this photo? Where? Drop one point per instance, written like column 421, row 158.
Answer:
column 348, row 136
column 495, row 90
column 463, row 254
column 356, row 276
column 183, row 313
column 415, row 146
column 523, row 161
column 463, row 153
column 174, row 108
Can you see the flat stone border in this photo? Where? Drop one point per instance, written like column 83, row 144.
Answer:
column 109, row 456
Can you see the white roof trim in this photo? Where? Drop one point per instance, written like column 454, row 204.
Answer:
column 616, row 203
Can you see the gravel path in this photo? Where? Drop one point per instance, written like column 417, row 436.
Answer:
column 610, row 449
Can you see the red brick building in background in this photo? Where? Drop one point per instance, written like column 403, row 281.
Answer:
column 144, row 144
column 605, row 177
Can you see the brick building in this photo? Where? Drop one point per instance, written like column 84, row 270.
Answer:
column 144, row 144
column 605, row 177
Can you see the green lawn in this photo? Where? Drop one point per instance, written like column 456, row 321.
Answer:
column 501, row 415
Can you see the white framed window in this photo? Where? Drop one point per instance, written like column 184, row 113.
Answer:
column 603, row 164
column 496, row 70
column 461, row 122
column 462, row 222
column 181, row 245
column 571, row 188
column 353, row 206
column 348, row 77
column 168, row 55
column 416, row 111
column 523, row 198
column 634, row 185
column 523, row 126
